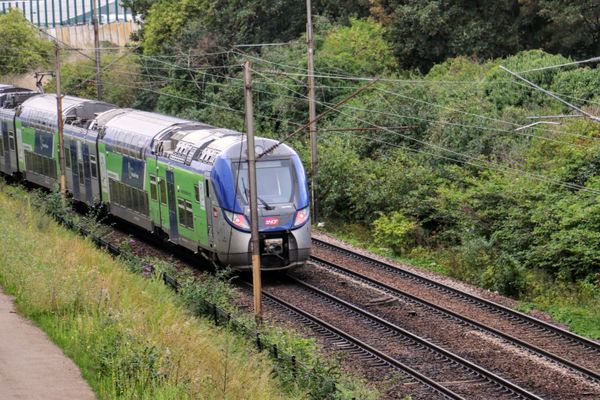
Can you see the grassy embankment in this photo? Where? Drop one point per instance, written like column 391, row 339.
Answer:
column 575, row 304
column 130, row 336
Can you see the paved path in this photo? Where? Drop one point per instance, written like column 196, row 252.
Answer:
column 31, row 366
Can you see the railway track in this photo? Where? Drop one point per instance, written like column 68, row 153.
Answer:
column 564, row 348
column 379, row 362
column 381, row 343
column 421, row 383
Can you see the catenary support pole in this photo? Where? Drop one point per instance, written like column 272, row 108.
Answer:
column 312, row 112
column 59, row 116
column 255, row 240
column 97, row 51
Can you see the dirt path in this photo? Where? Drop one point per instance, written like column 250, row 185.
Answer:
column 31, row 366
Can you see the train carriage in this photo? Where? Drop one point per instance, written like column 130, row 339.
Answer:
column 37, row 143
column 183, row 180
column 10, row 98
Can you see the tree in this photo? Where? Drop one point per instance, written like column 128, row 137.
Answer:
column 120, row 81
column 428, row 32
column 359, row 49
column 571, row 28
column 21, row 49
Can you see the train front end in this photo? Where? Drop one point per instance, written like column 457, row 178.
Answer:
column 283, row 208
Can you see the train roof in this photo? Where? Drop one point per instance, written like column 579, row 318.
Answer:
column 43, row 107
column 133, row 132
column 5, row 88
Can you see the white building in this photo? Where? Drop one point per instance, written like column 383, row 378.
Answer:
column 55, row 13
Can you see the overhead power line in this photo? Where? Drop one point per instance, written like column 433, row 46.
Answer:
column 588, row 61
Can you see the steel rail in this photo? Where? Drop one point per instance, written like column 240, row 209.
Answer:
column 488, row 375
column 332, row 330
column 586, row 372
column 472, row 298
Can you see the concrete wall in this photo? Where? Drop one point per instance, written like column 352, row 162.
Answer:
column 82, row 36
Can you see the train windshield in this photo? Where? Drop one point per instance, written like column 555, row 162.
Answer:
column 274, row 181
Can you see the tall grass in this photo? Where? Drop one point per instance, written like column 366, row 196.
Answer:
column 130, row 336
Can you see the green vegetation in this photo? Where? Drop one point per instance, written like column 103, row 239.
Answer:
column 22, row 48
column 440, row 176
column 129, row 335
column 439, row 173
column 120, row 78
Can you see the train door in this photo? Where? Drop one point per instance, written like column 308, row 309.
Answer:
column 87, row 186
column 75, row 174
column 154, row 181
column 173, row 231
column 163, row 207
column 211, row 212
column 81, row 171
column 4, row 151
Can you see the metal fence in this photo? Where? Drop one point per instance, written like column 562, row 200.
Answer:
column 55, row 13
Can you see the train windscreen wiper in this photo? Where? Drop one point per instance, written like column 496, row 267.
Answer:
column 264, row 203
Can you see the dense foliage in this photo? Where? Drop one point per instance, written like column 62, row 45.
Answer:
column 426, row 163
column 21, row 47
column 119, row 82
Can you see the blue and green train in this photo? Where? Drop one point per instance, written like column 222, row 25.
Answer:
column 181, row 179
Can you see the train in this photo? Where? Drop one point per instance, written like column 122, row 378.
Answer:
column 183, row 180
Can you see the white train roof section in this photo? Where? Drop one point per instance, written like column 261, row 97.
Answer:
column 132, row 132
column 43, row 106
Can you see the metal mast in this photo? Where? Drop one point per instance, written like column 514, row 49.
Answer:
column 312, row 112
column 97, row 51
column 255, row 240
column 61, row 141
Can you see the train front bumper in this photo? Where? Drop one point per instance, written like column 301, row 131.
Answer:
column 278, row 250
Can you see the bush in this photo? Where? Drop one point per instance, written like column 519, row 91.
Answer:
column 396, row 232
column 506, row 276
column 504, row 90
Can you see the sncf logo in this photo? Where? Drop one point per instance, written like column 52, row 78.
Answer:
column 271, row 221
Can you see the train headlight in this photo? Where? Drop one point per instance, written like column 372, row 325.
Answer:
column 301, row 216
column 238, row 220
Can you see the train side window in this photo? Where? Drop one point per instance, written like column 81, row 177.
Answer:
column 186, row 216
column 163, row 191
column 93, row 166
column 11, row 140
column 197, row 192
column 67, row 158
column 181, row 206
column 189, row 215
column 153, row 190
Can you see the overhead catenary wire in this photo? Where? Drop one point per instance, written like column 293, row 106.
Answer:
column 473, row 160
column 203, row 102
column 588, row 61
column 384, row 129
column 518, row 172
column 493, row 129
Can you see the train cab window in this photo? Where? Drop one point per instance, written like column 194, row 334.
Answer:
column 67, row 158
column 186, row 216
column 163, row 191
column 93, row 166
column 153, row 189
